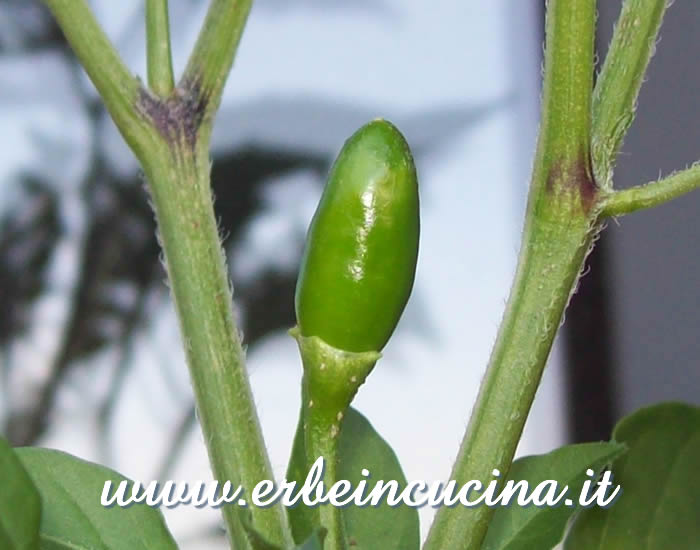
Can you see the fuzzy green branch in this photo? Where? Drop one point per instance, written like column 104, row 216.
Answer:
column 652, row 194
column 170, row 137
column 118, row 88
column 617, row 89
column 160, row 63
column 180, row 188
column 559, row 227
column 213, row 54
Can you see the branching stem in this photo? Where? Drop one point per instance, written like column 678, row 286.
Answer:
column 169, row 133
column 559, row 227
column 620, row 79
column 213, row 54
column 652, row 194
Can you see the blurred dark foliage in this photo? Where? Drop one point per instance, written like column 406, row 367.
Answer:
column 26, row 241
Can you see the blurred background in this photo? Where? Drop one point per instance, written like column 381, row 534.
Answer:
column 90, row 359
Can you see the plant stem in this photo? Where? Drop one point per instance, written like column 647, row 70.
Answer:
column 321, row 437
column 160, row 62
column 115, row 84
column 617, row 88
column 170, row 137
column 213, row 54
column 559, row 227
column 652, row 194
column 179, row 182
column 331, row 380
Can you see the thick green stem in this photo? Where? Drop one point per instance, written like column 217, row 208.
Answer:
column 160, row 62
column 179, row 183
column 559, row 228
column 652, row 194
column 170, row 136
column 617, row 89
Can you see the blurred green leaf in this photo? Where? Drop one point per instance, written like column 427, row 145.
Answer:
column 660, row 505
column 20, row 505
column 531, row 527
column 73, row 517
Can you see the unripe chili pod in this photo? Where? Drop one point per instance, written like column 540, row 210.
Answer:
column 359, row 261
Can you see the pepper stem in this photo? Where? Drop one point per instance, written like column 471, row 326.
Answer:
column 321, row 437
column 331, row 380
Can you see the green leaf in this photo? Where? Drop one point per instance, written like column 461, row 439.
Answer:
column 660, row 505
column 20, row 505
column 382, row 526
column 517, row 527
column 315, row 542
column 73, row 517
column 367, row 527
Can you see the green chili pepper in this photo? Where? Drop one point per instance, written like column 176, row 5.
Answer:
column 360, row 257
